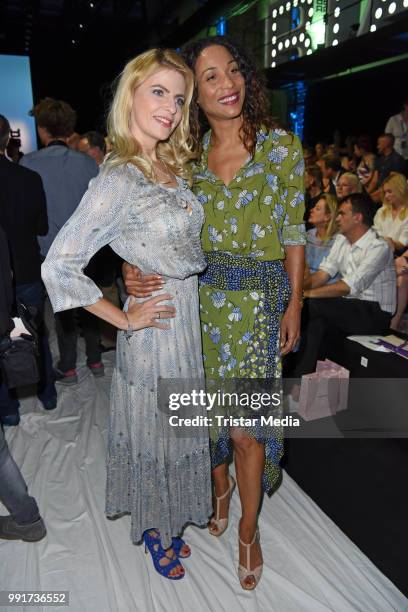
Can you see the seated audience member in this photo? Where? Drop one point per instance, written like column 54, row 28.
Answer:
column 387, row 161
column 93, row 144
column 313, row 187
column 391, row 222
column 397, row 125
column 24, row 521
column 363, row 300
column 401, row 266
column 331, row 170
column 333, row 151
column 365, row 160
column 348, row 183
column 320, row 238
column 320, row 149
column 349, row 163
column 308, row 155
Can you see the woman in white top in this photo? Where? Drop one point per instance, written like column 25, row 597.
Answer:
column 391, row 222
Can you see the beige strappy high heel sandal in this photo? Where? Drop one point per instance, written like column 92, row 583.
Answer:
column 245, row 572
column 221, row 523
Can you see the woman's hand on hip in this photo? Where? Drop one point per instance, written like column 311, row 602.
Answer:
column 150, row 312
column 138, row 284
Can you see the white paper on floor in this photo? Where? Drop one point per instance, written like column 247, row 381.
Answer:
column 310, row 565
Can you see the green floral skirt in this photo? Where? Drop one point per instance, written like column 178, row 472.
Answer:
column 242, row 301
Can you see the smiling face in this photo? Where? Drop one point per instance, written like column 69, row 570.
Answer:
column 157, row 107
column 220, row 84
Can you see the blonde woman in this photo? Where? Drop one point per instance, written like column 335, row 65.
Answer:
column 348, row 183
column 391, row 222
column 320, row 238
column 141, row 205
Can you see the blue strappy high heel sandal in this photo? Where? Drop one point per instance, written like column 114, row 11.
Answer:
column 153, row 545
column 178, row 544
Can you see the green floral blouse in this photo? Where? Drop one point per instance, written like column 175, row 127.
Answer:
column 262, row 209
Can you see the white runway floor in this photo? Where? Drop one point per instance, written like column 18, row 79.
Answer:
column 310, row 565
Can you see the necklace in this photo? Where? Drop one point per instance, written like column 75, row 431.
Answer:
column 164, row 174
column 170, row 179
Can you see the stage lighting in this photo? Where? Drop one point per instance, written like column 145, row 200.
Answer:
column 288, row 6
column 273, row 40
column 287, row 43
column 392, row 8
column 273, row 65
column 373, row 28
column 294, row 40
column 274, row 13
column 310, row 12
column 336, row 28
column 307, row 42
column 309, row 52
column 273, row 52
column 280, row 46
column 281, row 10
column 274, row 27
column 337, row 11
column 301, row 37
column 378, row 13
column 335, row 42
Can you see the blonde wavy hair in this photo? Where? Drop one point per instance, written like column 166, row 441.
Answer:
column 330, row 202
column 175, row 152
column 399, row 185
column 354, row 180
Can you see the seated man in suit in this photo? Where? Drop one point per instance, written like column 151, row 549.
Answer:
column 364, row 300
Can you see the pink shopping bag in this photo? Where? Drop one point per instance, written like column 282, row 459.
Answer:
column 324, row 392
column 342, row 374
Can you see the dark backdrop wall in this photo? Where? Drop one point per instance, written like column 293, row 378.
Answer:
column 358, row 104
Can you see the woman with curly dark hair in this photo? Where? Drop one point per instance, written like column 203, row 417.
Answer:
column 249, row 180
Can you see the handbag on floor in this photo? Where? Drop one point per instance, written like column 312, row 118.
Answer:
column 324, row 392
column 19, row 354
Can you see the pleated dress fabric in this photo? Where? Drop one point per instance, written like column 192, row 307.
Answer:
column 162, row 479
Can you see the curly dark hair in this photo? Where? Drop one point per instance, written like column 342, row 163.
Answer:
column 56, row 116
column 255, row 109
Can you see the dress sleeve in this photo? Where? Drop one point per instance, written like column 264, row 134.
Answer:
column 294, row 232
column 96, row 222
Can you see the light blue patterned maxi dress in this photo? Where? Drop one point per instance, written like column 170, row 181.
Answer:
column 164, row 481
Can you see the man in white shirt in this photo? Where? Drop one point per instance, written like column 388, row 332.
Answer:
column 364, row 300
column 397, row 125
